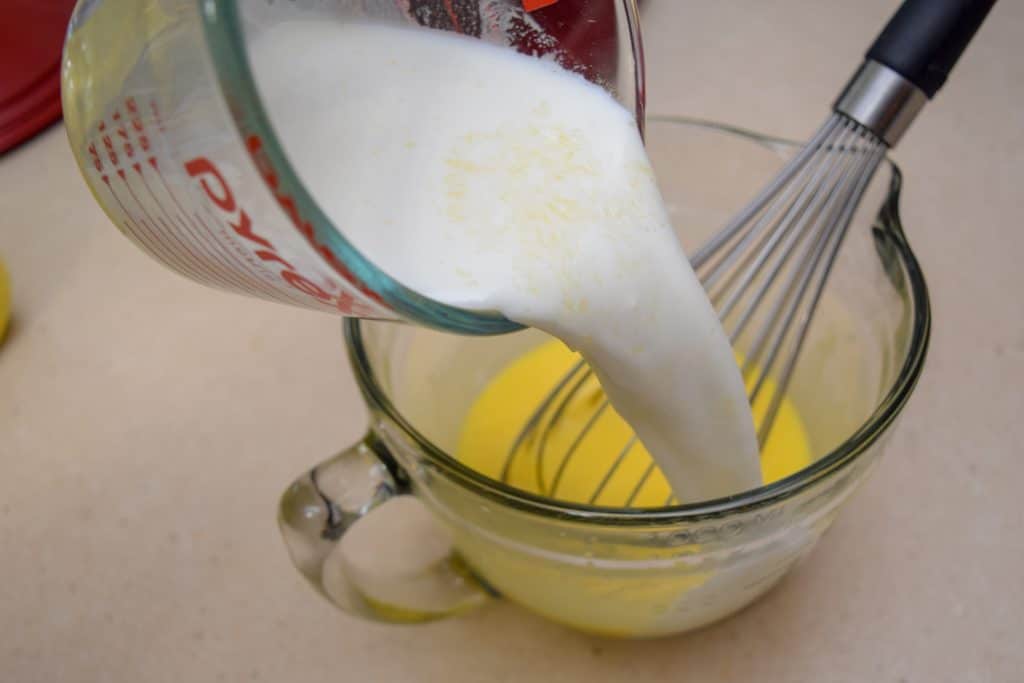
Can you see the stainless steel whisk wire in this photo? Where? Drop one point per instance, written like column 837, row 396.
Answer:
column 771, row 262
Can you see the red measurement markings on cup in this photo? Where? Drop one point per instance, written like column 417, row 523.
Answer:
column 121, row 147
column 233, row 256
column 213, row 241
column 217, row 190
column 122, row 153
column 106, row 160
column 218, row 259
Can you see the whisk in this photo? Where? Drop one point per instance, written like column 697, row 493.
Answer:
column 770, row 263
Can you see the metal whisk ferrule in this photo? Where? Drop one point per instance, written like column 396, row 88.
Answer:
column 881, row 100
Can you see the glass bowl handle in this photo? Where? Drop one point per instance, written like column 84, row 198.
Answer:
column 354, row 530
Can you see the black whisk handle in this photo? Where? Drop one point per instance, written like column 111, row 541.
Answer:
column 925, row 38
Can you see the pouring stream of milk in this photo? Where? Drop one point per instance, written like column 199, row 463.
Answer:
column 487, row 179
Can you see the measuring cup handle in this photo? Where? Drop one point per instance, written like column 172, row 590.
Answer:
column 355, row 532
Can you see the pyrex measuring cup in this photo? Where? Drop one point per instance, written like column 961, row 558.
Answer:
column 165, row 120
column 355, row 530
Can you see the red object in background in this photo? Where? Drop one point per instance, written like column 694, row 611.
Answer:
column 585, row 30
column 31, row 39
column 530, row 5
column 32, row 36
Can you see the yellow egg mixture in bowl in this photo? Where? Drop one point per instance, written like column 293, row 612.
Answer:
column 587, row 456
column 5, row 300
column 434, row 512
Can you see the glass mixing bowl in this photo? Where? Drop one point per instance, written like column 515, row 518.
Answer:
column 394, row 528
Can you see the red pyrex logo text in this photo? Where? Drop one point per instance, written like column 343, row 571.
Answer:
column 266, row 169
column 216, row 189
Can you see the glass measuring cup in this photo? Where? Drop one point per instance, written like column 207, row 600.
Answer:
column 395, row 529
column 165, row 119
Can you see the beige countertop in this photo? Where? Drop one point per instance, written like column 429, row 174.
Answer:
column 147, row 426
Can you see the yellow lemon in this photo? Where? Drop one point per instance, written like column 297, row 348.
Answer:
column 5, row 300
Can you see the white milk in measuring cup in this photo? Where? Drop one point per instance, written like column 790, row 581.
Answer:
column 164, row 118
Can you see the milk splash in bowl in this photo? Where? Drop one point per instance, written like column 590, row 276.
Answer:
column 491, row 180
